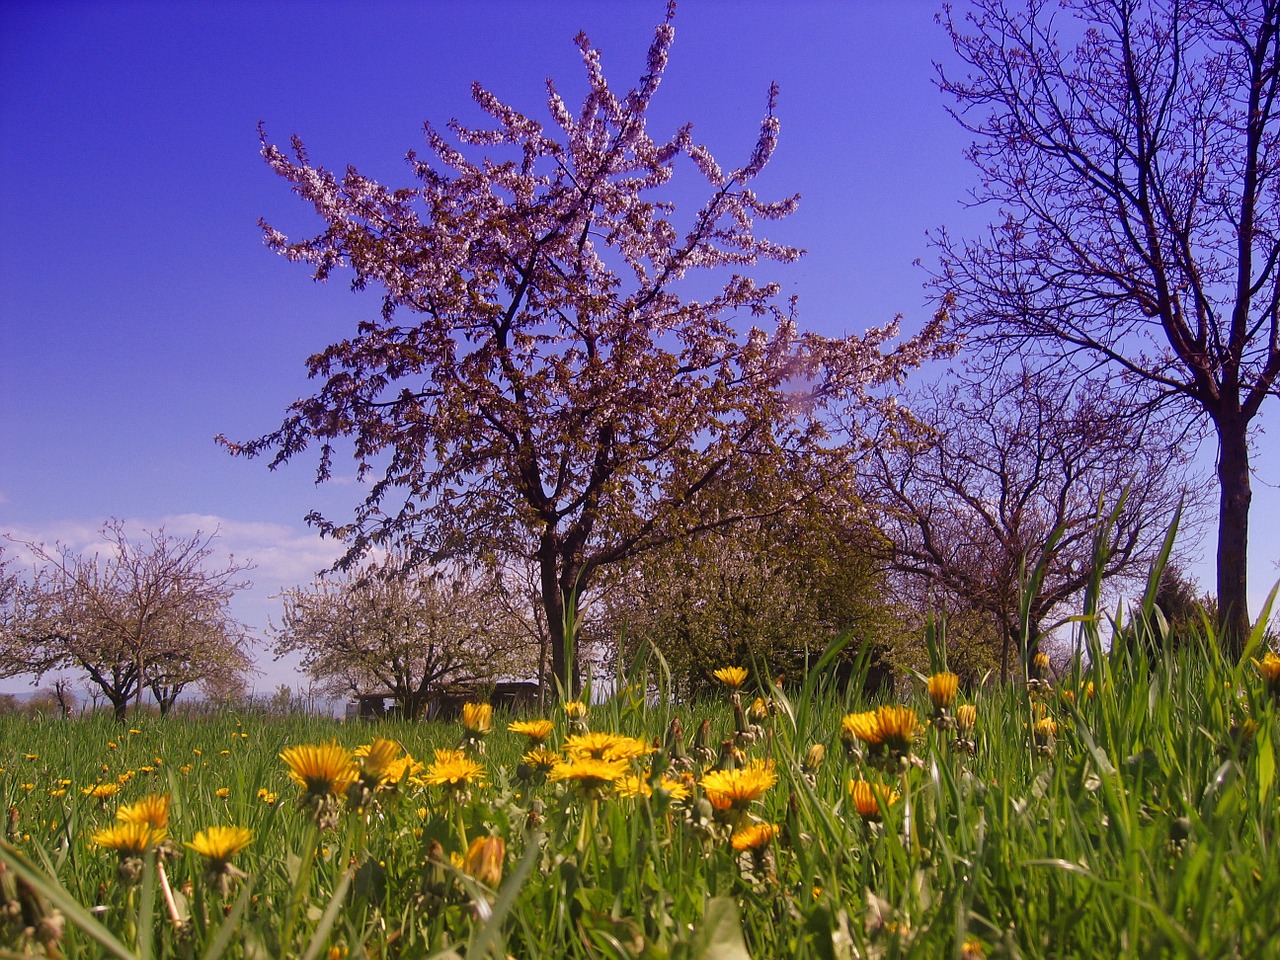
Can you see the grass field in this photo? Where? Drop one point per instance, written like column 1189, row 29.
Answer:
column 1127, row 810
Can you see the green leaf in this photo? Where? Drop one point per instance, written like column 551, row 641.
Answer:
column 1266, row 766
column 720, row 935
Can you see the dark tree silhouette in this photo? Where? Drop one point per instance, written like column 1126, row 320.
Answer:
column 1129, row 151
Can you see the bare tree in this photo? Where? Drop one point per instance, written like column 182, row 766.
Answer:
column 404, row 631
column 542, row 383
column 1129, row 149
column 1010, row 462
column 127, row 613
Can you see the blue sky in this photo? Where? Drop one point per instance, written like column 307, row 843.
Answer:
column 140, row 314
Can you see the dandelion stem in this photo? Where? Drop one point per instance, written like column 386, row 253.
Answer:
column 300, row 889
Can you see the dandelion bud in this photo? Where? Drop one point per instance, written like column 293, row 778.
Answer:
column 813, row 758
column 1044, row 733
column 942, row 690
column 730, row 756
column 702, row 751
column 966, row 718
column 1039, row 666
column 575, row 712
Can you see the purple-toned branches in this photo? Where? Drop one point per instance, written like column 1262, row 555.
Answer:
column 538, row 383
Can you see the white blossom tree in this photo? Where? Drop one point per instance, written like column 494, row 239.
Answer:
column 549, row 378
column 132, row 615
column 383, row 627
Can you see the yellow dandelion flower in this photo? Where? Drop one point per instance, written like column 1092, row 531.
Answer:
column 1269, row 669
column 320, row 769
column 677, row 790
column 540, row 759
column 897, row 727
column 60, row 792
column 737, row 789
column 28, row 787
column 222, row 793
column 377, row 759
column 220, row 844
column 101, row 791
column 31, row 756
column 484, row 860
column 606, row 746
column 731, row 677
column 589, row 774
column 129, row 839
column 535, row 730
column 574, row 709
column 966, row 718
column 266, row 796
column 863, row 726
column 1045, row 730
column 633, row 785
column 942, row 690
column 870, row 799
column 755, row 837
column 477, row 718
column 455, row 770
column 152, row 810
column 134, row 730
column 972, row 949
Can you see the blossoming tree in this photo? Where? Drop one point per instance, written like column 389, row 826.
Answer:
column 540, row 382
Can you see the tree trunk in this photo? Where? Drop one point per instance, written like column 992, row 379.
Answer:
column 553, row 606
column 1233, row 533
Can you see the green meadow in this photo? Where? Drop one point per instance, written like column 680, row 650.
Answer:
column 1125, row 807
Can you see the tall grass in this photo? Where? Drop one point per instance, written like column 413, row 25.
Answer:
column 1146, row 826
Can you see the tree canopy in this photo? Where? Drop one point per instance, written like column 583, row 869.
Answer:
column 557, row 372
